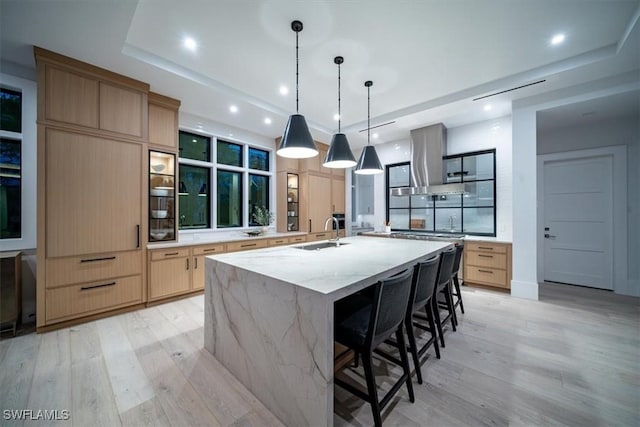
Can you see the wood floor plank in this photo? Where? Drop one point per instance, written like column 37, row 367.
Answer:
column 147, row 414
column 92, row 394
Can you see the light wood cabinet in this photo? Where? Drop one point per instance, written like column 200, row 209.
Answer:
column 337, row 195
column 10, row 289
column 297, row 239
column 246, row 245
column 163, row 120
column 488, row 263
column 121, row 110
column 93, row 194
column 70, row 97
column 318, row 202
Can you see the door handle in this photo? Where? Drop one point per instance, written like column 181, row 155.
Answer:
column 549, row 236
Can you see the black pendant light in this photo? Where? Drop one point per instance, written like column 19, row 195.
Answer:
column 369, row 163
column 297, row 143
column 339, row 155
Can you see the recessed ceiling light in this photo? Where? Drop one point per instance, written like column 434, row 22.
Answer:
column 487, row 107
column 195, row 140
column 336, row 117
column 230, row 134
column 190, row 43
column 284, row 90
column 557, row 39
column 233, row 109
column 375, row 136
column 267, row 121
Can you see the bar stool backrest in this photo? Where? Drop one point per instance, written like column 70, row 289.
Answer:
column 446, row 267
column 389, row 306
column 425, row 276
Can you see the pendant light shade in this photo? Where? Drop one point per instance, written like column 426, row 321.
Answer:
column 369, row 163
column 339, row 155
column 296, row 142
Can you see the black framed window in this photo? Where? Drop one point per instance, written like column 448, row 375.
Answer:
column 195, row 197
column 229, row 153
column 229, row 199
column 10, row 110
column 473, row 212
column 10, row 188
column 258, row 195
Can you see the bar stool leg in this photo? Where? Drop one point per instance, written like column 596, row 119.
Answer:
column 405, row 362
column 436, row 315
column 429, row 311
column 367, row 364
column 414, row 349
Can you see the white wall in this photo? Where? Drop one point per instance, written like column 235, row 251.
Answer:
column 478, row 136
column 611, row 133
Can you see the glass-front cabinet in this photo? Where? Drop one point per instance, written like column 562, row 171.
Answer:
column 292, row 202
column 162, row 203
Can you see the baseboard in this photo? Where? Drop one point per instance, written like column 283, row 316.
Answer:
column 527, row 290
column 629, row 287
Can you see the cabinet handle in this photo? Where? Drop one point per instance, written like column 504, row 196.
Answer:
column 248, row 245
column 108, row 258
column 485, row 256
column 195, row 261
column 187, row 263
column 137, row 235
column 485, row 271
column 210, row 250
column 309, row 226
column 103, row 285
column 485, row 247
column 171, row 253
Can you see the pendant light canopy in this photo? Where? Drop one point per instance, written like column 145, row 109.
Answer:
column 296, row 142
column 369, row 163
column 339, row 155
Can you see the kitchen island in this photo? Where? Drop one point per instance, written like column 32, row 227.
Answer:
column 269, row 316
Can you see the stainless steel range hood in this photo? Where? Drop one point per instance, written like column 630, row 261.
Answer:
column 428, row 144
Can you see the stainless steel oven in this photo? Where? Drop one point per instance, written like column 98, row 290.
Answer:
column 341, row 218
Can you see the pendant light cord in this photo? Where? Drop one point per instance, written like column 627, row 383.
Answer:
column 296, row 72
column 339, row 115
column 368, row 115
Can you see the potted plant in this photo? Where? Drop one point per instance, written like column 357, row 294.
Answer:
column 263, row 217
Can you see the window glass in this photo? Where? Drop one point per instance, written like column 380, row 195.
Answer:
column 10, row 189
column 477, row 167
column 398, row 202
column 421, row 201
column 449, row 200
column 399, row 219
column 452, row 168
column 258, row 159
column 478, row 194
column 229, row 153
column 229, row 200
column 195, row 147
column 195, row 197
column 10, row 110
column 479, row 220
column 398, row 176
column 449, row 220
column 258, row 194
column 421, row 219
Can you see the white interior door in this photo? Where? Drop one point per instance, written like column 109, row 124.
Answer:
column 578, row 211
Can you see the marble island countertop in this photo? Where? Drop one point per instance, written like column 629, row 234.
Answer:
column 359, row 260
column 466, row 237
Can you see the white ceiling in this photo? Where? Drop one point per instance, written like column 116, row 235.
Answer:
column 428, row 59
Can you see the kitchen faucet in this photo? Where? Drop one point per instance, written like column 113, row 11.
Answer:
column 335, row 220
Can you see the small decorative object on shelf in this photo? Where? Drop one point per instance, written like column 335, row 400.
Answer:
column 262, row 216
column 292, row 202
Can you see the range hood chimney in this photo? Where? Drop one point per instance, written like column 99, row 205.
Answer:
column 428, row 144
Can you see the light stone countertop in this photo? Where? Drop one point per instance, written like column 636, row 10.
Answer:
column 360, row 260
column 193, row 239
column 466, row 238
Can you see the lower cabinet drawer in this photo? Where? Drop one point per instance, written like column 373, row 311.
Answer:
column 486, row 275
column 208, row 250
column 278, row 241
column 93, row 297
column 320, row 236
column 67, row 271
column 482, row 259
column 246, row 245
column 157, row 255
column 298, row 239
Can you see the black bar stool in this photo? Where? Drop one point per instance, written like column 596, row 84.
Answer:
column 443, row 287
column 368, row 327
column 454, row 279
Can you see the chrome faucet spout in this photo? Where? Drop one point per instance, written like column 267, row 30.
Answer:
column 335, row 221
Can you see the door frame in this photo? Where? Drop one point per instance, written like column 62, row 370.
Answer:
column 619, row 219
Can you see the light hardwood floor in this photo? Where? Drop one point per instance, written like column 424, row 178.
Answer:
column 572, row 358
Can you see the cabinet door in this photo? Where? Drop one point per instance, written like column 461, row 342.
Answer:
column 70, row 97
column 337, row 195
column 121, row 109
column 319, row 195
column 169, row 277
column 163, row 126
column 93, row 194
column 198, row 272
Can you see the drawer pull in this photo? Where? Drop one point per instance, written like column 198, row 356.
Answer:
column 195, row 261
column 485, row 271
column 247, row 245
column 187, row 263
column 485, row 256
column 108, row 258
column 488, row 248
column 210, row 250
column 171, row 253
column 103, row 285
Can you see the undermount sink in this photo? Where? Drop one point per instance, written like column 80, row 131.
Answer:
column 318, row 246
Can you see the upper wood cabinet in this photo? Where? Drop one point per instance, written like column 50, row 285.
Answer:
column 93, row 194
column 163, row 120
column 337, row 195
column 79, row 94
column 121, row 110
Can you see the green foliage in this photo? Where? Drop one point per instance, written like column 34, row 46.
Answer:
column 262, row 216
